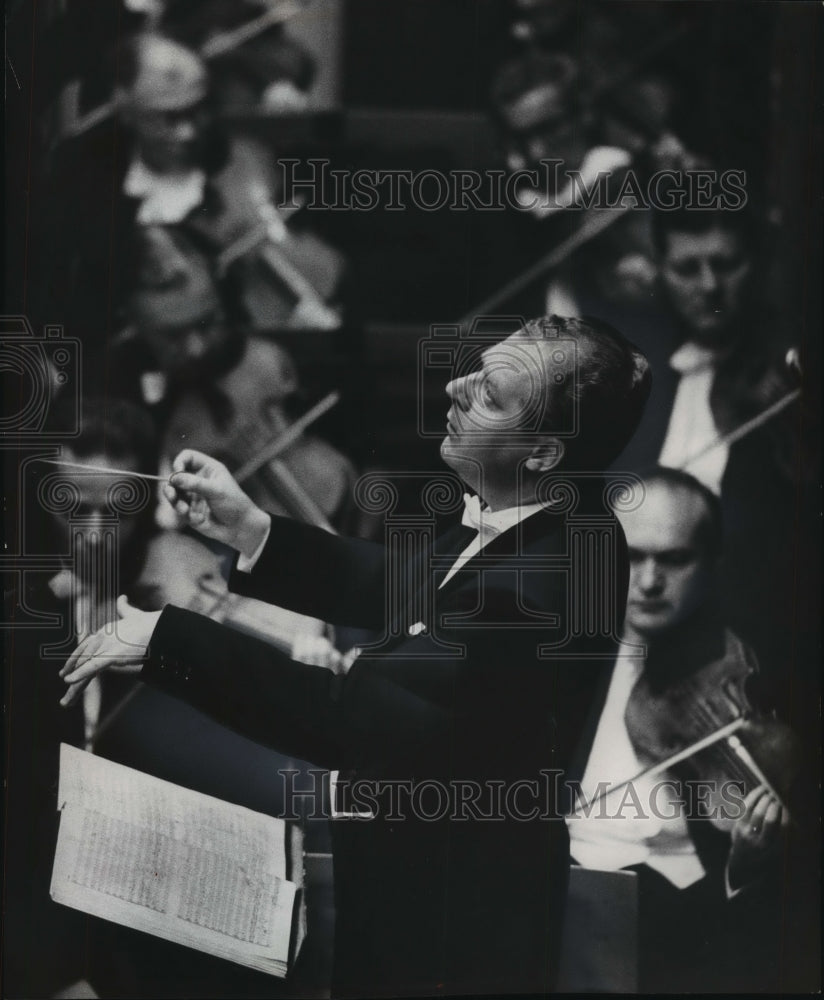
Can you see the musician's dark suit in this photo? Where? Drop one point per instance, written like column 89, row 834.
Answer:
column 422, row 906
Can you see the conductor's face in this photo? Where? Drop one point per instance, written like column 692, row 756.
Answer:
column 491, row 404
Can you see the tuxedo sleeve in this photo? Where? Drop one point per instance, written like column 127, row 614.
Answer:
column 316, row 573
column 332, row 720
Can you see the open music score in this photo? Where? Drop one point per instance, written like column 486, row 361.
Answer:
column 178, row 864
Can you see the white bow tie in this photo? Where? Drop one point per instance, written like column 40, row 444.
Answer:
column 475, row 517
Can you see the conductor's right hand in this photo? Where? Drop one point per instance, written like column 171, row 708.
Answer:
column 207, row 498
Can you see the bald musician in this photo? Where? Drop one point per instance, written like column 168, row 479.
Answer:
column 704, row 891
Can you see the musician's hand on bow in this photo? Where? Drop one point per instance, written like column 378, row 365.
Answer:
column 207, row 498
column 756, row 836
column 122, row 651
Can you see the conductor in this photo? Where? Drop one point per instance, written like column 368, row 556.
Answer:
column 450, row 872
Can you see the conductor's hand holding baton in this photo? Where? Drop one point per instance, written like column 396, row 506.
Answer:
column 206, row 497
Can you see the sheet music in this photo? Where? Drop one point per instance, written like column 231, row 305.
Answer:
column 163, row 859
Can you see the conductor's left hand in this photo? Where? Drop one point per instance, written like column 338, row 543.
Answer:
column 122, row 651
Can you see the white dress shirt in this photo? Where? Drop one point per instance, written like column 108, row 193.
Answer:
column 692, row 438
column 246, row 564
column 489, row 524
column 165, row 199
column 617, row 834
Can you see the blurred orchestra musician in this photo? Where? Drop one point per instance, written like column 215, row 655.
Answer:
column 248, row 407
column 572, row 134
column 267, row 70
column 187, row 169
column 165, row 160
column 98, row 525
column 726, row 363
column 555, row 110
column 214, row 385
column 182, row 324
column 103, row 543
column 709, row 884
column 253, row 62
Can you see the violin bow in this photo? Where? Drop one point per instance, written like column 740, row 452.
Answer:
column 219, row 45
column 595, row 222
column 292, row 492
column 288, row 437
column 225, row 41
column 725, row 732
column 266, row 237
column 593, row 225
column 744, row 429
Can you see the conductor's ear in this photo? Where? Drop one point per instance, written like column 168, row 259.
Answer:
column 546, row 455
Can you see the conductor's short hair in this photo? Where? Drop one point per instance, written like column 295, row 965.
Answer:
column 610, row 389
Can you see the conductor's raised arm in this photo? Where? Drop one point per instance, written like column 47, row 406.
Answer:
column 281, row 561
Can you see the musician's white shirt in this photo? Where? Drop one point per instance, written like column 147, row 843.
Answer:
column 641, row 825
column 489, row 524
column 692, row 430
column 165, row 199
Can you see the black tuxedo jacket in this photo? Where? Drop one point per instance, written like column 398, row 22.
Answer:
column 465, row 896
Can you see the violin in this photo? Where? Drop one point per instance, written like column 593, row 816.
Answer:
column 310, row 480
column 288, row 277
column 706, row 721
